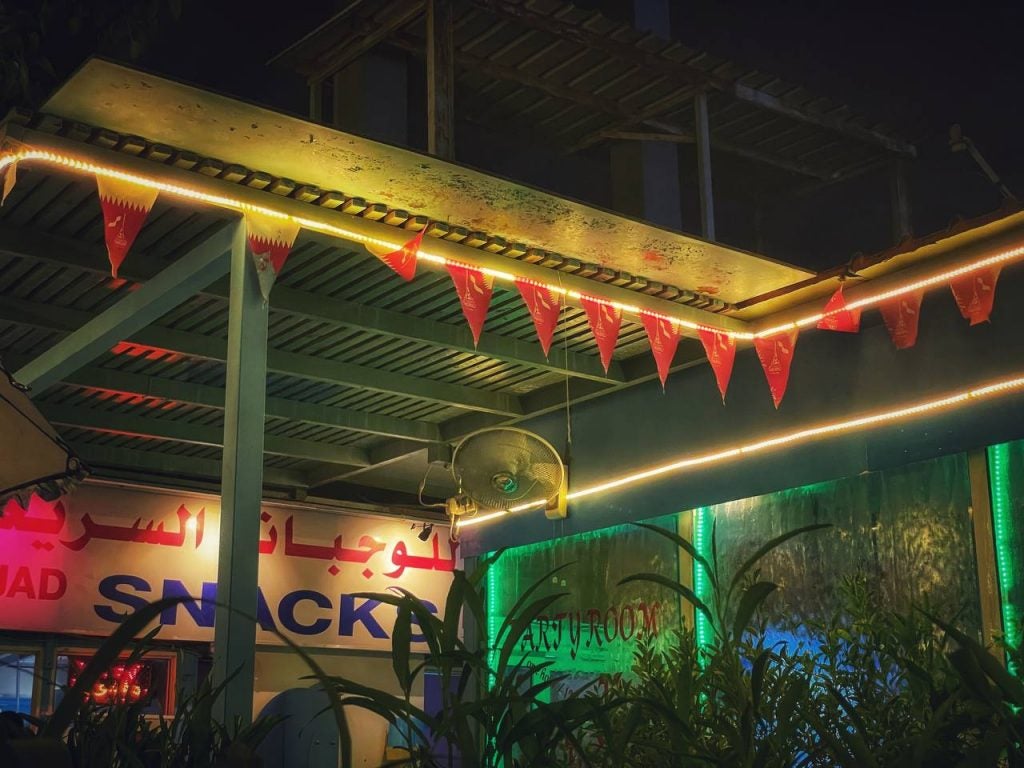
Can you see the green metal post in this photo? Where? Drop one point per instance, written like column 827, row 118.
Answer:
column 234, row 644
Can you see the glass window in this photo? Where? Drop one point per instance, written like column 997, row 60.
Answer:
column 147, row 680
column 17, row 681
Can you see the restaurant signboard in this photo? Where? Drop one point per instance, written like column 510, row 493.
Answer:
column 81, row 564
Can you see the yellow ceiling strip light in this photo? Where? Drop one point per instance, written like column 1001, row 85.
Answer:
column 879, row 418
column 231, row 203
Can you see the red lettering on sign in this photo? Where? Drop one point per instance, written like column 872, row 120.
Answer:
column 50, row 584
column 54, row 590
column 22, row 583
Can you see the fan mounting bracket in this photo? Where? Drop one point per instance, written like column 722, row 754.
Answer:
column 558, row 507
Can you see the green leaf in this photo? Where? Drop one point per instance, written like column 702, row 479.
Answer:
column 474, row 600
column 105, row 655
column 325, row 680
column 839, row 753
column 757, row 671
column 401, row 638
column 430, row 625
column 453, row 610
column 855, row 737
column 752, row 598
column 483, row 565
column 1010, row 686
column 796, row 691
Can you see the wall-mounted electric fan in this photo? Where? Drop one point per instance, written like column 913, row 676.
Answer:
column 505, row 468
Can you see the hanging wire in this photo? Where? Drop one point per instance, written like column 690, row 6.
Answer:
column 563, row 309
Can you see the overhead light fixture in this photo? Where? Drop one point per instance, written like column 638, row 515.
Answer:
column 426, row 529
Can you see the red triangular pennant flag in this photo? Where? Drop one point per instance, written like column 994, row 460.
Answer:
column 721, row 351
column 901, row 315
column 776, row 356
column 270, row 241
column 837, row 317
column 403, row 261
column 663, row 335
column 975, row 293
column 474, row 289
column 125, row 208
column 604, row 320
column 544, row 308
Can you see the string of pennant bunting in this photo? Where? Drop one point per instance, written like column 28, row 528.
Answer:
column 126, row 200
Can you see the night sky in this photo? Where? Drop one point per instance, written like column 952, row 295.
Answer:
column 916, row 66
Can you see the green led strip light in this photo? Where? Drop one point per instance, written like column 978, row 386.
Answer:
column 1008, row 563
column 491, row 607
column 703, row 527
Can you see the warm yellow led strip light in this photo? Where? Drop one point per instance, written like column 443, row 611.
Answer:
column 790, row 438
column 234, row 204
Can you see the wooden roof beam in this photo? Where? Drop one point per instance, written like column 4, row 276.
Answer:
column 545, row 400
column 362, row 36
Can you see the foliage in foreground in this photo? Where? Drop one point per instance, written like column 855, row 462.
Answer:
column 866, row 687
column 80, row 734
column 493, row 711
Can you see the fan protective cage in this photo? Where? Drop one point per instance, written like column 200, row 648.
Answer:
column 501, row 467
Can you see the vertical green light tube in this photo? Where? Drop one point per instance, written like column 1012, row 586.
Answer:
column 1008, row 564
column 703, row 527
column 492, row 620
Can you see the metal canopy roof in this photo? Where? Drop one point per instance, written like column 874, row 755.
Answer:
column 581, row 79
column 316, row 158
column 365, row 372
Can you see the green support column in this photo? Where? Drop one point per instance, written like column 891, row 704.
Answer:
column 234, row 644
